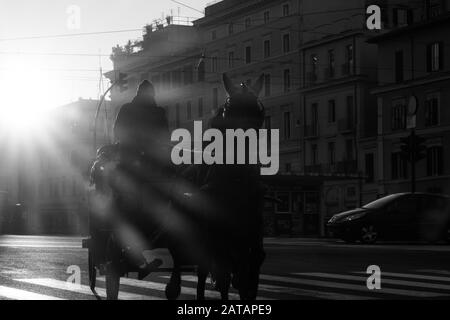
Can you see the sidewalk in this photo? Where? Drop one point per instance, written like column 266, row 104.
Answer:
column 294, row 241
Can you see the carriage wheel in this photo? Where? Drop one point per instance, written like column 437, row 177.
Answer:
column 92, row 270
column 112, row 270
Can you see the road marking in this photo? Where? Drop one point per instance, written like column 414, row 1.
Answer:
column 440, row 272
column 296, row 291
column 385, row 281
column 353, row 287
column 50, row 246
column 16, row 294
column 162, row 287
column 412, row 276
column 62, row 285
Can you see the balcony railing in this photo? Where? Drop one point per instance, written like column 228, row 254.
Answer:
column 347, row 168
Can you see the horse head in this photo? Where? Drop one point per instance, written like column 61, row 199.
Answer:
column 242, row 110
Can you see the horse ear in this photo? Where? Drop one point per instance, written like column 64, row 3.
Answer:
column 229, row 87
column 258, row 85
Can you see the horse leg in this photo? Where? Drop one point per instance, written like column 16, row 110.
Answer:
column 225, row 285
column 202, row 275
column 173, row 288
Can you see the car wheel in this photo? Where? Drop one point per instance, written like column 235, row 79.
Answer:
column 369, row 234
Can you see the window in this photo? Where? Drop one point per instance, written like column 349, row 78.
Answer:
column 176, row 76
column 248, row 54
column 398, row 115
column 214, row 66
column 314, row 155
column 266, row 48
column 266, row 17
column 315, row 114
column 200, row 72
column 177, row 115
column 399, row 66
column 432, row 110
column 350, row 110
column 433, row 8
column 166, row 81
column 314, row 66
column 370, row 167
column 287, row 125
column 399, row 166
column 331, row 111
column 287, row 80
column 267, row 85
column 435, row 161
column 402, row 17
column 435, row 57
column 231, row 59
column 331, row 63
column 230, row 28
column 200, row 107
column 189, row 110
column 286, row 10
column 286, row 43
column 349, row 150
column 188, row 75
column 288, row 167
column 248, row 23
column 156, row 81
column 331, row 152
column 349, row 57
column 215, row 98
column 214, row 35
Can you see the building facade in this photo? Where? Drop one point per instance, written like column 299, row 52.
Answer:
column 322, row 89
column 413, row 81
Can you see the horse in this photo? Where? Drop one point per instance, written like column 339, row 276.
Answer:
column 211, row 217
column 229, row 204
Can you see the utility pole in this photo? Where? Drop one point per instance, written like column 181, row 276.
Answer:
column 413, row 148
column 413, row 161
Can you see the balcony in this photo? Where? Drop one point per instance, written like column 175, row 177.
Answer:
column 346, row 126
column 313, row 169
column 312, row 131
column 349, row 167
column 342, row 168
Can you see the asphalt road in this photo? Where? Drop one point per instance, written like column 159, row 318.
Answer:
column 37, row 268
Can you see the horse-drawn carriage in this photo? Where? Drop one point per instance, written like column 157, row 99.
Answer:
column 209, row 218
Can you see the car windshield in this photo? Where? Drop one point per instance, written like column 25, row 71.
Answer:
column 380, row 203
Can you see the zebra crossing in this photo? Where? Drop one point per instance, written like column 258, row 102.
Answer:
column 417, row 284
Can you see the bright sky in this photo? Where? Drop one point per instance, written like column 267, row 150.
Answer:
column 33, row 74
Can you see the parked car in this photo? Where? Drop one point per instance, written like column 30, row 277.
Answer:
column 404, row 216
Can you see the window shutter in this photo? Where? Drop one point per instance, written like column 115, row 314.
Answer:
column 410, row 16
column 393, row 167
column 440, row 160
column 429, row 162
column 395, row 17
column 429, row 58
column 441, row 55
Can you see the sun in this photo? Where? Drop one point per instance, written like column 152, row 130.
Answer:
column 28, row 95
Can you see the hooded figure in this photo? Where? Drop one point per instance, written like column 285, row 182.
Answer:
column 142, row 126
